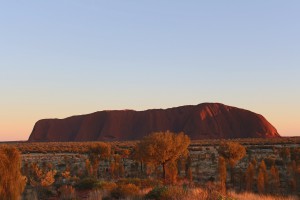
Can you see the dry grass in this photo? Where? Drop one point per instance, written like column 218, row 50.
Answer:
column 252, row 196
column 30, row 194
column 95, row 195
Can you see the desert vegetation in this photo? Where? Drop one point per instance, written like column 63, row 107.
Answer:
column 12, row 182
column 163, row 165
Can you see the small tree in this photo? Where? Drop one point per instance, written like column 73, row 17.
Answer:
column 121, row 170
column 260, row 181
column 138, row 155
column 232, row 152
column 116, row 167
column 180, row 165
column 274, row 180
column 88, row 167
column 190, row 174
column 125, row 154
column 98, row 152
column 213, row 158
column 249, row 177
column 171, row 172
column 12, row 183
column 150, row 169
column 188, row 165
column 113, row 169
column 162, row 148
column 40, row 178
column 293, row 171
column 263, row 169
column 197, row 170
column 222, row 173
column 295, row 154
column 285, row 154
column 254, row 162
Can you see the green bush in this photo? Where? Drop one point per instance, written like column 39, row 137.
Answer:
column 169, row 193
column 157, row 193
column 125, row 191
column 87, row 184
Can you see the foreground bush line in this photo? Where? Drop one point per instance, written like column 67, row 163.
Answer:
column 112, row 191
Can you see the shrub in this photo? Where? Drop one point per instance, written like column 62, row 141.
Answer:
column 30, row 194
column 87, row 184
column 249, row 177
column 269, row 161
column 67, row 192
column 98, row 152
column 253, row 196
column 41, row 178
column 222, row 173
column 157, row 193
column 106, row 186
column 232, row 152
column 141, row 183
column 12, row 183
column 96, row 195
column 174, row 192
column 184, row 193
column 125, row 191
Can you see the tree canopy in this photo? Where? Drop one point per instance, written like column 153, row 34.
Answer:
column 97, row 152
column 232, row 152
column 161, row 148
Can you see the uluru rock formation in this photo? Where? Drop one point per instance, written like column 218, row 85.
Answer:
column 203, row 121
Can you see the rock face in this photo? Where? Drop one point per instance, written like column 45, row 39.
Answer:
column 203, row 121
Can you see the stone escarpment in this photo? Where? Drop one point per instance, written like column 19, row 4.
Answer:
column 203, row 121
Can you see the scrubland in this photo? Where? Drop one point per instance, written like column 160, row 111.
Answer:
column 158, row 167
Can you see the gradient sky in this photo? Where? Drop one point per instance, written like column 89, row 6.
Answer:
column 61, row 58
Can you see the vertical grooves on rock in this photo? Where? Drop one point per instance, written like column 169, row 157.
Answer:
column 208, row 120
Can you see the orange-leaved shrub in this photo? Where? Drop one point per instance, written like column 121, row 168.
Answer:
column 12, row 182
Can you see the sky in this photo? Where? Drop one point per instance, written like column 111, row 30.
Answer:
column 61, row 58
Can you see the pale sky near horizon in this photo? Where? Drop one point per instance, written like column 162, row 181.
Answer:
column 63, row 58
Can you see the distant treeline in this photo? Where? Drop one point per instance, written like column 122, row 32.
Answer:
column 83, row 147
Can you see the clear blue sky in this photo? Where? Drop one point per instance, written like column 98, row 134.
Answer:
column 61, row 58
